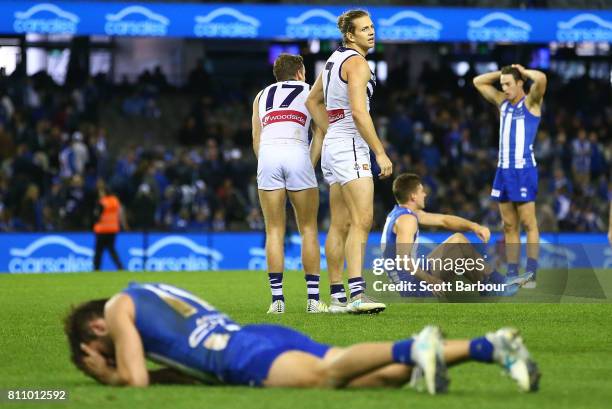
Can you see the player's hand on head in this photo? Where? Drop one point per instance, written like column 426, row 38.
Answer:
column 385, row 165
column 95, row 363
column 520, row 68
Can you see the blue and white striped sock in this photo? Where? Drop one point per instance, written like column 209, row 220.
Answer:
column 312, row 286
column 337, row 292
column 276, row 286
column 356, row 286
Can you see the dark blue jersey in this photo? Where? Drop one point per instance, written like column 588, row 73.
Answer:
column 180, row 330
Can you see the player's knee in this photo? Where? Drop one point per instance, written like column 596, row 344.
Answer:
column 341, row 227
column 510, row 227
column 328, row 377
column 362, row 223
column 530, row 225
column 458, row 238
column 308, row 230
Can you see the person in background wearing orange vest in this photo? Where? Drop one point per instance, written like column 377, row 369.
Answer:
column 111, row 217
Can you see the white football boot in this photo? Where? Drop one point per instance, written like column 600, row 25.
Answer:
column 428, row 355
column 510, row 352
column 316, row 307
column 337, row 307
column 277, row 307
column 365, row 305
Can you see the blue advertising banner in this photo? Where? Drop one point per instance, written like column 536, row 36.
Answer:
column 73, row 252
column 393, row 24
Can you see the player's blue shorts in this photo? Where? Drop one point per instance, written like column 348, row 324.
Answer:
column 515, row 185
column 252, row 350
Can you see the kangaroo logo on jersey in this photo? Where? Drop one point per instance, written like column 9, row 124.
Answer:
column 585, row 27
column 136, row 21
column 314, row 23
column 414, row 26
column 45, row 18
column 498, row 26
column 226, row 22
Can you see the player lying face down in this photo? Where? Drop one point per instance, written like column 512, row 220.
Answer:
column 110, row 341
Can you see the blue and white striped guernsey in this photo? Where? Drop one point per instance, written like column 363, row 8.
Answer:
column 517, row 132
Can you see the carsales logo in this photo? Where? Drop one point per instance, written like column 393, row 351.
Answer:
column 181, row 254
column 45, row 18
column 234, row 25
column 284, row 116
column 317, row 23
column 498, row 27
column 409, row 25
column 136, row 21
column 585, row 27
column 44, row 256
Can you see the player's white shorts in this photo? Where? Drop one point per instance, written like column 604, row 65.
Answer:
column 285, row 166
column 346, row 159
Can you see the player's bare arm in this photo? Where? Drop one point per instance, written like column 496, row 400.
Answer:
column 256, row 125
column 537, row 89
column 129, row 351
column 485, row 85
column 405, row 228
column 316, row 105
column 316, row 144
column 358, row 74
column 454, row 223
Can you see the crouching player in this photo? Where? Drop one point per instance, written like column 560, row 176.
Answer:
column 400, row 237
column 110, row 340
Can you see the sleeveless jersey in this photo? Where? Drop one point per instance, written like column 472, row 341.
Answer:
column 389, row 238
column 335, row 91
column 283, row 113
column 180, row 330
column 517, row 132
column 109, row 221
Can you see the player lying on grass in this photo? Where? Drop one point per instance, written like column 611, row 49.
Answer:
column 400, row 238
column 110, row 340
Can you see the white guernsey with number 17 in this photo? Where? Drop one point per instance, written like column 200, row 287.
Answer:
column 284, row 158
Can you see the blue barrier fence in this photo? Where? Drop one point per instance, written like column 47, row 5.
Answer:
column 302, row 22
column 73, row 252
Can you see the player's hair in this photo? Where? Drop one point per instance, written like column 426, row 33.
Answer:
column 516, row 74
column 404, row 185
column 286, row 66
column 346, row 22
column 76, row 327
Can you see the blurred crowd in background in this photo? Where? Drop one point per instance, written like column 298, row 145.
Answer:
column 54, row 146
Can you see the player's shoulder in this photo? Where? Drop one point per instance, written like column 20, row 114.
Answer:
column 119, row 304
column 407, row 219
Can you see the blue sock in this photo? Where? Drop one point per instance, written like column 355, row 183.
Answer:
column 337, row 292
column 356, row 286
column 402, row 352
column 481, row 350
column 532, row 266
column 512, row 270
column 496, row 278
column 276, row 286
column 312, row 286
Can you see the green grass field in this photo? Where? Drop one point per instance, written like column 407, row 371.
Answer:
column 571, row 343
